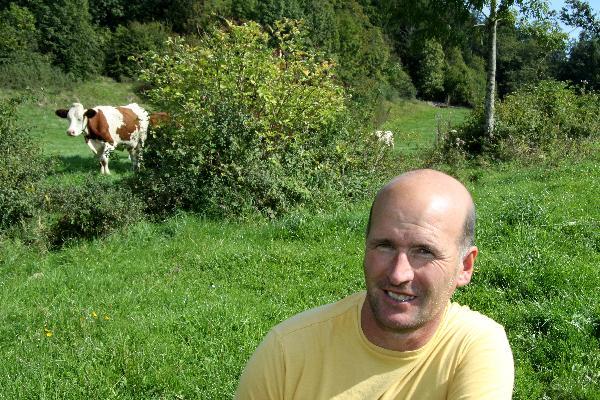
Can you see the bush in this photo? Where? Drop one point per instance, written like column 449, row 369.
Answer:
column 17, row 30
column 256, row 128
column 400, row 80
column 21, row 170
column 30, row 70
column 128, row 42
column 430, row 75
column 67, row 35
column 543, row 118
column 90, row 210
column 461, row 82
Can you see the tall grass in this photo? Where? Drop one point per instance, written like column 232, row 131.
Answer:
column 175, row 309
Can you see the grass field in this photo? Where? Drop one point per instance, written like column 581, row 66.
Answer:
column 415, row 124
column 173, row 310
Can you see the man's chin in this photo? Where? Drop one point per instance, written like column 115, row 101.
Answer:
column 390, row 318
column 395, row 323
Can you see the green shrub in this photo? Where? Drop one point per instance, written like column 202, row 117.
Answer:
column 430, row 75
column 360, row 49
column 21, row 170
column 462, row 84
column 31, row 70
column 256, row 128
column 546, row 119
column 67, row 35
column 89, row 210
column 128, row 42
column 17, row 30
column 400, row 80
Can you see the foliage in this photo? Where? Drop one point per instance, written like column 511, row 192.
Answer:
column 255, row 128
column 399, row 80
column 538, row 118
column 21, row 170
column 463, row 85
column 32, row 70
column 109, row 13
column 361, row 50
column 128, row 42
column 430, row 82
column 89, row 210
column 18, row 32
column 526, row 54
column 583, row 65
column 339, row 29
column 66, row 33
column 579, row 13
column 360, row 36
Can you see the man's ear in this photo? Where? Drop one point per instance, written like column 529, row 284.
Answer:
column 466, row 267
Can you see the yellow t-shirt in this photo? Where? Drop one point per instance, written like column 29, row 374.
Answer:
column 322, row 353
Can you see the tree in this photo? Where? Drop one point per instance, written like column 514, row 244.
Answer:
column 498, row 10
column 17, row 30
column 431, row 71
column 66, row 34
column 459, row 83
column 525, row 56
column 583, row 64
column 578, row 13
column 133, row 40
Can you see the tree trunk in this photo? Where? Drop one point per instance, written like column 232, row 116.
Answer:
column 491, row 72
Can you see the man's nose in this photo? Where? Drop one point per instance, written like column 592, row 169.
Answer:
column 401, row 270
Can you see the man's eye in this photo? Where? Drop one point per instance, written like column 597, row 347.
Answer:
column 424, row 251
column 384, row 245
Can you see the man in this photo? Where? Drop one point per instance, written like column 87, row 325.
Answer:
column 403, row 339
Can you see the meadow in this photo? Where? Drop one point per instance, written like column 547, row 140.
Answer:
column 173, row 310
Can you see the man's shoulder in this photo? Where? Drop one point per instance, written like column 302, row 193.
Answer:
column 471, row 317
column 463, row 321
column 318, row 317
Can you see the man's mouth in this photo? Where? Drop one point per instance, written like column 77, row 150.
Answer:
column 402, row 298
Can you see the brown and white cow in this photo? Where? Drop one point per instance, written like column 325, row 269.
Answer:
column 106, row 128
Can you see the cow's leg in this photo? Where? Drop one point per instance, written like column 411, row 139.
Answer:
column 103, row 164
column 135, row 155
column 133, row 158
column 104, row 156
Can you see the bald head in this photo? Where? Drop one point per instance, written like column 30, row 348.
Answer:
column 426, row 191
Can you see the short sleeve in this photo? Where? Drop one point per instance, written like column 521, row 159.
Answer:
column 264, row 374
column 486, row 369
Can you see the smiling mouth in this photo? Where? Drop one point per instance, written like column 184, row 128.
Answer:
column 401, row 298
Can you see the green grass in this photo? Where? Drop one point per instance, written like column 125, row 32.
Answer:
column 173, row 310
column 186, row 303
column 415, row 124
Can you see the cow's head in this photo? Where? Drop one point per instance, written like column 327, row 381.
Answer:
column 77, row 117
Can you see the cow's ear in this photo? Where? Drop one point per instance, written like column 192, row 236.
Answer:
column 62, row 113
column 90, row 113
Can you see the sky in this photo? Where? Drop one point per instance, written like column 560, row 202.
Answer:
column 558, row 4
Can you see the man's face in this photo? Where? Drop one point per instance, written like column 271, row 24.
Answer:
column 412, row 261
